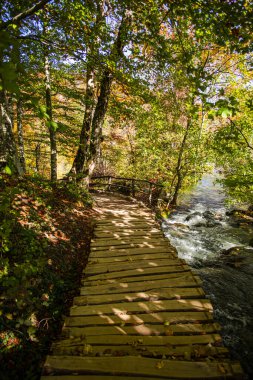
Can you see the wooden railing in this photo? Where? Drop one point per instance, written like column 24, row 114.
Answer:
column 143, row 190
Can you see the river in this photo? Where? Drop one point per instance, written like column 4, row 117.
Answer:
column 203, row 233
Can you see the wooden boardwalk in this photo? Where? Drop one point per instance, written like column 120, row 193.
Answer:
column 141, row 313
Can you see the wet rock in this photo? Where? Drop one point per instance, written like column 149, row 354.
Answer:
column 232, row 212
column 239, row 218
column 212, row 223
column 200, row 224
column 208, row 214
column 192, row 216
column 181, row 225
column 210, row 218
column 232, row 251
column 238, row 257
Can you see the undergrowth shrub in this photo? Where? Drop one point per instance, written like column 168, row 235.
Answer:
column 44, row 237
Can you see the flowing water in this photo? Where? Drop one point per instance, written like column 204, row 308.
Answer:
column 203, row 234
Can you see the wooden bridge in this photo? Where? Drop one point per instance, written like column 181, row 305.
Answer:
column 141, row 313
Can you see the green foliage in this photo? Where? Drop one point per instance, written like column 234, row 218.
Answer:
column 41, row 259
column 233, row 147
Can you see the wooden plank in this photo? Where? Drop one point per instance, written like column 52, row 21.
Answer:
column 123, row 287
column 127, row 228
column 117, row 219
column 123, row 223
column 143, row 307
column 154, row 245
column 152, row 318
column 146, row 341
column 132, row 264
column 78, row 347
column 161, row 294
column 130, row 258
column 132, row 366
column 93, row 269
column 131, row 233
column 132, row 251
column 143, row 330
column 114, row 272
column 132, row 241
column 142, row 277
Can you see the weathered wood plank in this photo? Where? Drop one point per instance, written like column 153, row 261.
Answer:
column 132, row 251
column 131, row 245
column 143, row 330
column 131, row 233
column 139, row 319
column 130, row 258
column 127, row 228
column 128, row 219
column 159, row 294
column 132, row 365
column 131, row 265
column 132, row 241
column 146, row 341
column 79, row 347
column 139, row 272
column 124, row 223
column 143, row 307
column 181, row 281
column 140, row 278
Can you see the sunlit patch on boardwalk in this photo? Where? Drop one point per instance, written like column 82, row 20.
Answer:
column 141, row 313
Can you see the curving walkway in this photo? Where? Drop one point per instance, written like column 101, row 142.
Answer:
column 141, row 313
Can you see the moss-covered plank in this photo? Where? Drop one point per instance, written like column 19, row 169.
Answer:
column 143, row 307
column 134, row 319
column 159, row 294
column 132, row 366
column 181, row 281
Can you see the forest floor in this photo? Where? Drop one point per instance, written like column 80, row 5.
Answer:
column 45, row 233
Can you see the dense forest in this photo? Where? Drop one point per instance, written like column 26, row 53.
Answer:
column 156, row 90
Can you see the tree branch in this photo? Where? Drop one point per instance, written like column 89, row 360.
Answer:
column 242, row 134
column 25, row 14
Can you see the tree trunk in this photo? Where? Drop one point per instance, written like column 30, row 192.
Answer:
column 9, row 154
column 49, row 112
column 178, row 174
column 83, row 149
column 97, row 123
column 37, row 158
column 21, row 149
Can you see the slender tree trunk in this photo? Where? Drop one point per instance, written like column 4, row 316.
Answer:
column 2, row 135
column 9, row 153
column 21, row 149
column 49, row 111
column 179, row 174
column 83, row 149
column 37, row 158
